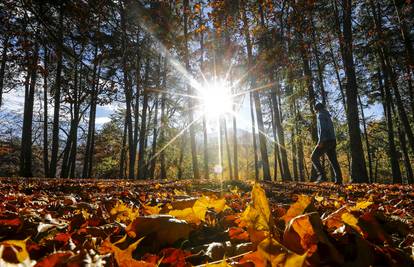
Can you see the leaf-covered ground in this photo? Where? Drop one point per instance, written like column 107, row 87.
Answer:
column 53, row 222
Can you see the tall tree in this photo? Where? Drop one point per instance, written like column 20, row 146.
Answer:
column 358, row 167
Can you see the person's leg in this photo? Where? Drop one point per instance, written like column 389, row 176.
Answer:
column 333, row 159
column 316, row 154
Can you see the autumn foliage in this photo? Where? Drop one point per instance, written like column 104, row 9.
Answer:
column 45, row 222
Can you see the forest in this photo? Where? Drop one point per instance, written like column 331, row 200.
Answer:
column 132, row 89
column 218, row 104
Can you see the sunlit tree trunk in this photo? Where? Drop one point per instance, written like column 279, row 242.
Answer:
column 163, row 171
column 257, row 104
column 228, row 149
column 190, row 92
column 181, row 158
column 256, row 167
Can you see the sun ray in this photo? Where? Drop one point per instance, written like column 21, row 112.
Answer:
column 172, row 93
column 271, row 139
column 173, row 139
column 255, row 89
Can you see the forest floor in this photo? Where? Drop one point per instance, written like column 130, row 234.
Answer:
column 67, row 222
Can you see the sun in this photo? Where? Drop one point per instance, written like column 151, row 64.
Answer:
column 216, row 99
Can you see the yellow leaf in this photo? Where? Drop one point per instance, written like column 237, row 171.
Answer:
column 298, row 208
column 179, row 193
column 350, row 187
column 186, row 214
column 21, row 252
column 123, row 213
column 257, row 214
column 123, row 257
column 319, row 198
column 362, row 205
column 350, row 220
column 149, row 210
column 203, row 203
column 222, row 263
column 275, row 253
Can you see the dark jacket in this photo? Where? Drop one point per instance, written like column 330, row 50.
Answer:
column 326, row 131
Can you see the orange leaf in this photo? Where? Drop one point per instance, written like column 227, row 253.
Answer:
column 255, row 258
column 299, row 207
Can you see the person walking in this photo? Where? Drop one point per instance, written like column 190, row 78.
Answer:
column 326, row 145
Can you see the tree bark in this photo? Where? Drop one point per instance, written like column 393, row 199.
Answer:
column 143, row 129
column 257, row 104
column 256, row 166
column 358, row 168
column 364, row 124
column 3, row 66
column 128, row 96
column 123, row 151
column 163, row 171
column 57, row 89
column 154, row 138
column 26, row 147
column 190, row 92
column 228, row 149
column 386, row 103
column 45, row 113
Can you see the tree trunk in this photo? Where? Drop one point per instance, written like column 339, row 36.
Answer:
column 154, row 138
column 257, row 104
column 45, row 114
column 386, row 103
column 163, row 171
column 128, row 96
column 364, row 124
column 283, row 160
column 123, row 152
column 228, row 149
column 190, row 92
column 256, row 166
column 87, row 160
column 143, row 130
column 3, row 66
column 407, row 162
column 358, row 168
column 57, row 89
column 181, row 158
column 26, row 147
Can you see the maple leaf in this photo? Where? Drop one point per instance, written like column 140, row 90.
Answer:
column 123, row 213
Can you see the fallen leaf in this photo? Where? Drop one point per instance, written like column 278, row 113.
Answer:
column 302, row 205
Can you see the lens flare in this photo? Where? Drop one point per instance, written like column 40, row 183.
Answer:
column 216, row 99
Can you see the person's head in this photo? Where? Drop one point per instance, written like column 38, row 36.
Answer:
column 319, row 107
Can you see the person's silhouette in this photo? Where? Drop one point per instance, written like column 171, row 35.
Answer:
column 326, row 145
